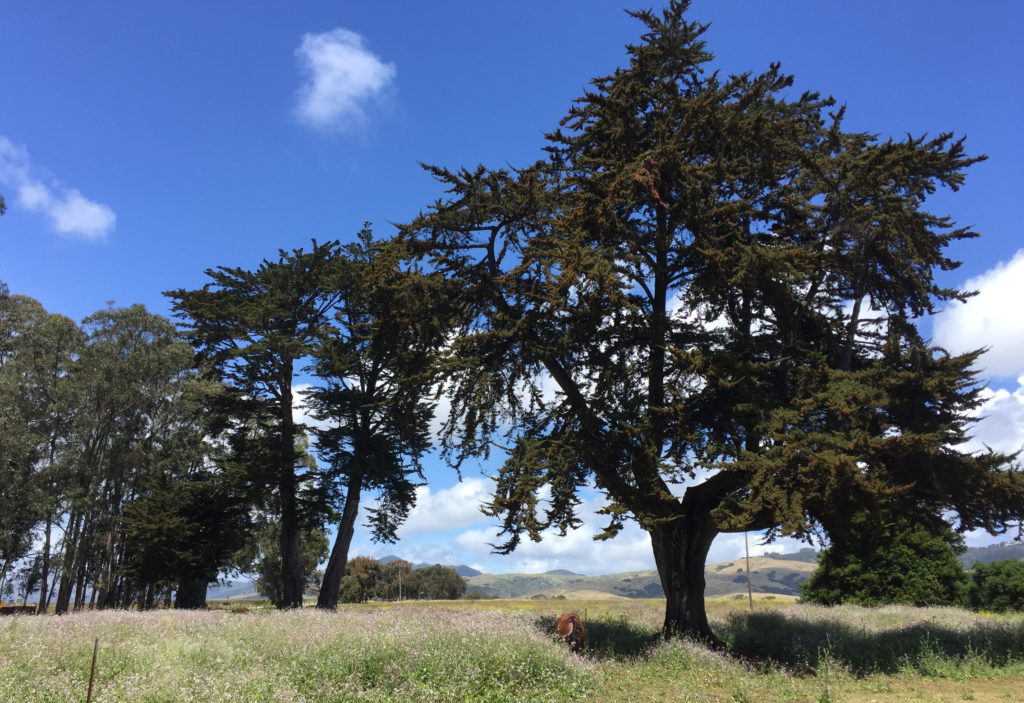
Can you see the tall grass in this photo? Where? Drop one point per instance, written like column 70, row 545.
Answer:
column 307, row 655
column 504, row 651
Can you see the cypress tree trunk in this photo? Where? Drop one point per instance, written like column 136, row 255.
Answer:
column 191, row 593
column 335, row 571
column 44, row 598
column 291, row 567
column 680, row 552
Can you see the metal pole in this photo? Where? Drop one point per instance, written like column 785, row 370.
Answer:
column 746, row 548
column 92, row 672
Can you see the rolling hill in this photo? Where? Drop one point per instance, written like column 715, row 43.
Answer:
column 769, row 575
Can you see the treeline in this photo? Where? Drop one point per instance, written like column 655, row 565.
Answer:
column 97, row 421
column 994, row 552
column 368, row 579
column 140, row 460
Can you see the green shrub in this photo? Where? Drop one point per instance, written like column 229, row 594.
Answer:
column 997, row 586
column 903, row 562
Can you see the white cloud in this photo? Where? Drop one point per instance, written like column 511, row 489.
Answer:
column 577, row 551
column 1001, row 421
column 342, row 77
column 73, row 214
column 70, row 212
column 989, row 319
column 448, row 508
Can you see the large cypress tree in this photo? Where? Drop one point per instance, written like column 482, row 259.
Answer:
column 374, row 365
column 254, row 330
column 692, row 267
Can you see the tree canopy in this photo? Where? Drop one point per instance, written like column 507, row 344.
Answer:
column 702, row 303
column 997, row 586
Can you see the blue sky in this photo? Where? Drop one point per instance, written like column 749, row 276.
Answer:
column 141, row 143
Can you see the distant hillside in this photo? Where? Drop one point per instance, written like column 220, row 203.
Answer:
column 768, row 576
column 806, row 554
column 773, row 574
column 239, row 588
column 995, row 552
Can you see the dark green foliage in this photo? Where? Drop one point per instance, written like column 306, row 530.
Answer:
column 367, row 578
column 436, row 583
column 89, row 416
column 374, row 362
column 395, row 580
column 997, row 586
column 721, row 283
column 36, row 350
column 364, row 327
column 130, row 423
column 252, row 331
column 184, row 530
column 906, row 561
column 361, row 580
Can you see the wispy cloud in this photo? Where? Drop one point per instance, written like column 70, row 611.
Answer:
column 342, row 78
column 70, row 212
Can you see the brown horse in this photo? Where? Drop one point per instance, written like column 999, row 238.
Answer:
column 571, row 628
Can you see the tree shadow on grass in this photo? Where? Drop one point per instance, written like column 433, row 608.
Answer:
column 929, row 647
column 607, row 637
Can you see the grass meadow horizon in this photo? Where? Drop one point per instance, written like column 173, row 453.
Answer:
column 504, row 650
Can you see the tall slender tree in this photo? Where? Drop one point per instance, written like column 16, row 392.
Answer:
column 254, row 330
column 688, row 267
column 374, row 364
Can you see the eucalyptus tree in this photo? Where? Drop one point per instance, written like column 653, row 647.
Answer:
column 254, row 330
column 128, row 380
column 20, row 501
column 687, row 268
column 37, row 350
column 373, row 366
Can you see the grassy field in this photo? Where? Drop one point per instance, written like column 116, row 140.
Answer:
column 502, row 651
